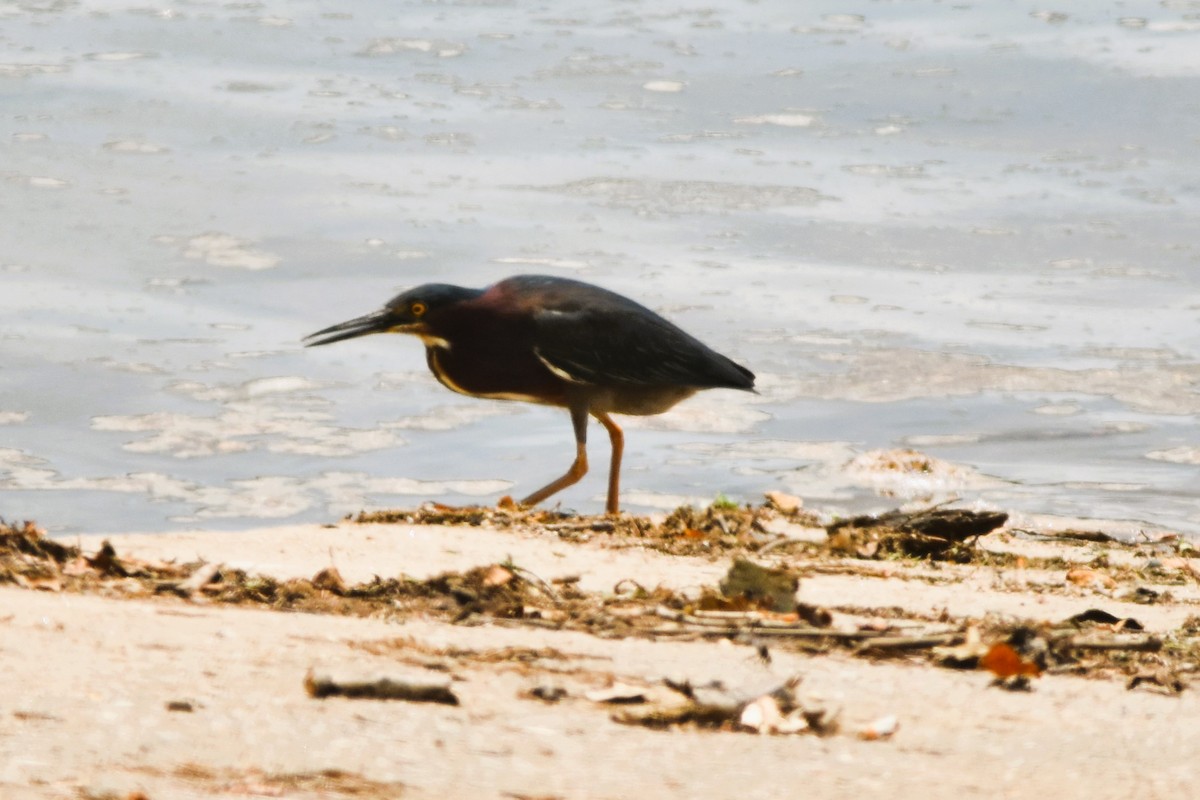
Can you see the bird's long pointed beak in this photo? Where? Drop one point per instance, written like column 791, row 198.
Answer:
column 380, row 321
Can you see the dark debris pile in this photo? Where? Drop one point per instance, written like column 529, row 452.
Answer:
column 936, row 534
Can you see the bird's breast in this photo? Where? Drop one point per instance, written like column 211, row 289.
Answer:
column 497, row 376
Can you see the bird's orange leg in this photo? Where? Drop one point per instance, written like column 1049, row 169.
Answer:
column 617, row 437
column 578, row 468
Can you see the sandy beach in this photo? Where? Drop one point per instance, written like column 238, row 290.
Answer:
column 128, row 686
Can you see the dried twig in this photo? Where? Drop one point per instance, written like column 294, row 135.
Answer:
column 1069, row 535
column 379, row 689
column 919, row 642
column 760, row 627
column 598, row 525
column 1140, row 644
column 536, row 581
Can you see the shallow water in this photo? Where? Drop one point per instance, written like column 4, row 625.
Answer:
column 965, row 229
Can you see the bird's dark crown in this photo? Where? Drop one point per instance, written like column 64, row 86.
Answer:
column 413, row 305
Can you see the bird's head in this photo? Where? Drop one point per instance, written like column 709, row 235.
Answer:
column 416, row 311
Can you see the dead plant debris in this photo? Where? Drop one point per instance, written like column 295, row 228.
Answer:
column 777, row 711
column 382, row 688
column 716, row 529
column 755, row 604
column 880, row 729
column 1164, row 679
column 749, row 585
column 316, row 785
column 936, row 533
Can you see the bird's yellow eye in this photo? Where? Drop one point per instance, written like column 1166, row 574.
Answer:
column 417, row 309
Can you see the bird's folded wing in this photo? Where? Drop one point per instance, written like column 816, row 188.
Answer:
column 616, row 346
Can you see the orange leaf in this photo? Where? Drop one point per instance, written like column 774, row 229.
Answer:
column 1082, row 576
column 1004, row 662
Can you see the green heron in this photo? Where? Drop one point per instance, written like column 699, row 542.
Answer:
column 557, row 342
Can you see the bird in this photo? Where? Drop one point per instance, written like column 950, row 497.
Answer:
column 553, row 341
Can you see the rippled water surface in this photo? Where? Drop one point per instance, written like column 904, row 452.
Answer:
column 969, row 230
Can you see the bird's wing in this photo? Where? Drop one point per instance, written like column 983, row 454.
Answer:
column 618, row 345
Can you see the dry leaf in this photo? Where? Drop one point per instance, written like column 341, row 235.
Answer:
column 1005, row 662
column 497, row 575
column 762, row 714
column 1090, row 578
column 617, row 693
column 882, row 728
column 330, row 580
column 782, row 501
